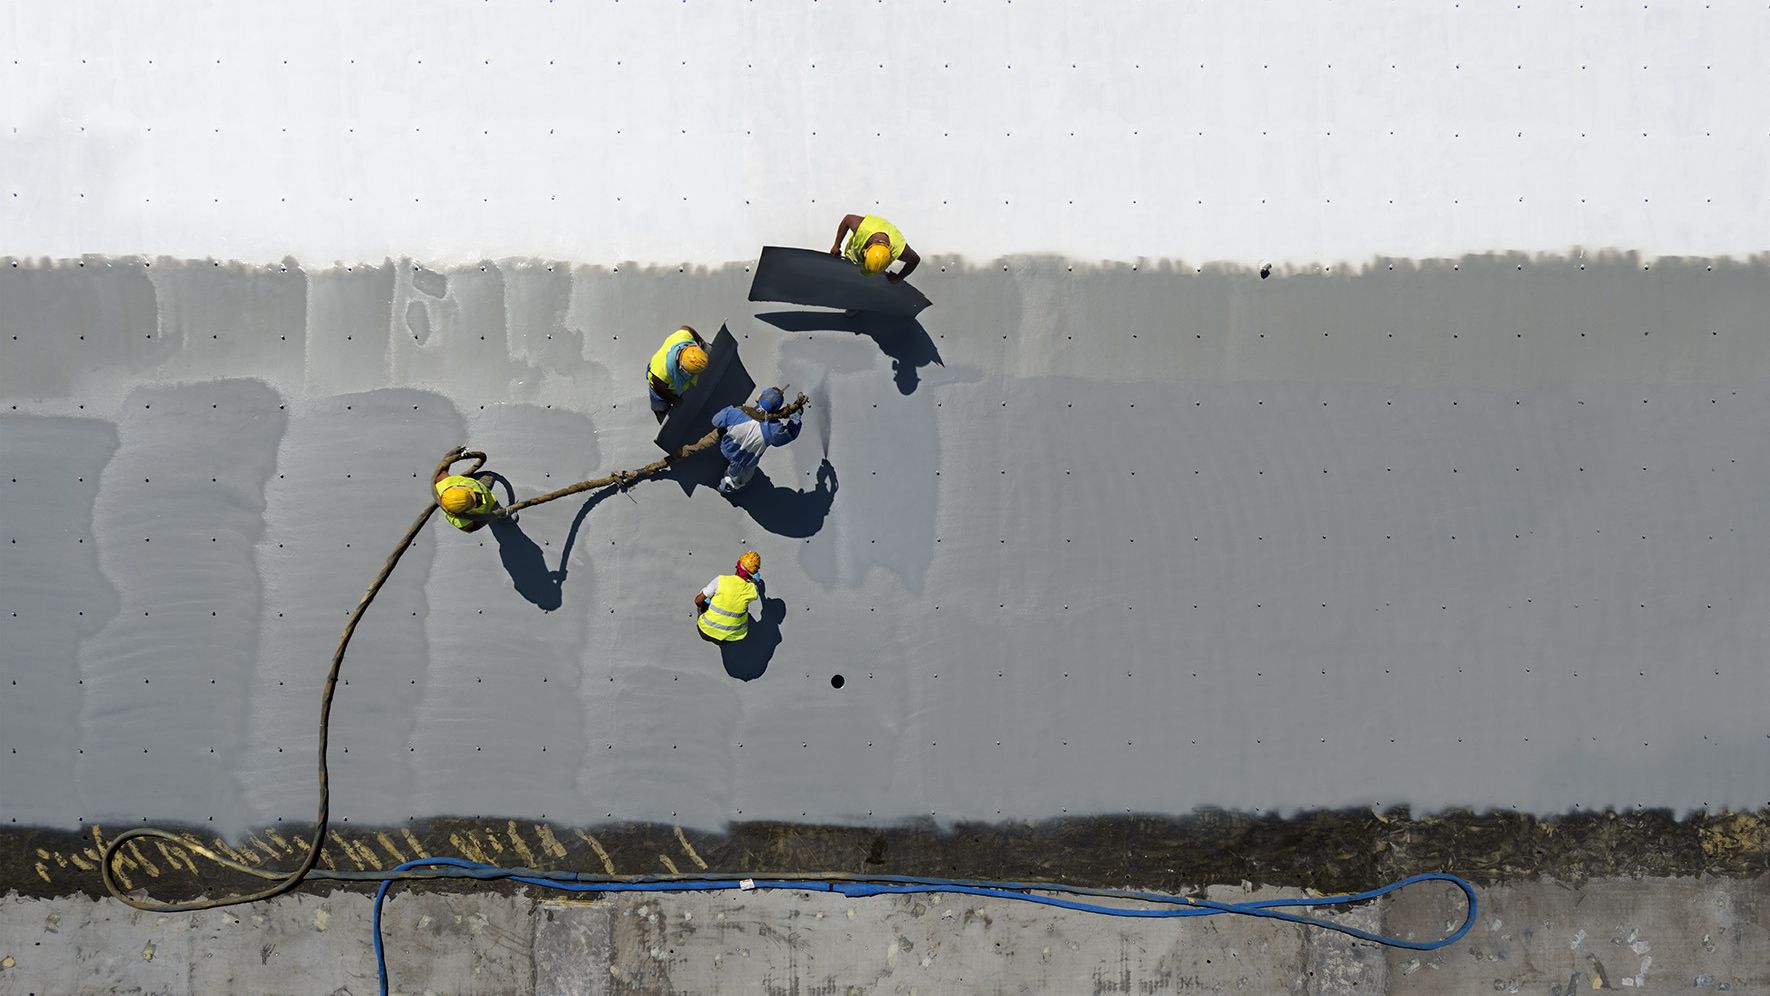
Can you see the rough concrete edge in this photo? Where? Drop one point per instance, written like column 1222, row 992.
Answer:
column 1330, row 851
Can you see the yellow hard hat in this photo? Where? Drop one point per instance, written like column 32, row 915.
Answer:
column 457, row 498
column 693, row 359
column 750, row 563
column 876, row 257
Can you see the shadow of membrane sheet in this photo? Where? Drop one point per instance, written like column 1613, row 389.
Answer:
column 1320, row 577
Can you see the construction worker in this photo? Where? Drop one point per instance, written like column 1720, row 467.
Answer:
column 873, row 246
column 724, row 604
column 742, row 438
column 466, row 501
column 675, row 368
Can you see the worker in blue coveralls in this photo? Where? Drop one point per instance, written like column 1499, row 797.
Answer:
column 743, row 439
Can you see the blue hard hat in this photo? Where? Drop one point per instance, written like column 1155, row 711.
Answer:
column 771, row 400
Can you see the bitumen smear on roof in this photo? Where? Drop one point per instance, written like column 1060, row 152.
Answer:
column 1328, row 851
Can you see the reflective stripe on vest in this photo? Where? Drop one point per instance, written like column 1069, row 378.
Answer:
column 870, row 226
column 660, row 360
column 728, row 611
column 484, row 501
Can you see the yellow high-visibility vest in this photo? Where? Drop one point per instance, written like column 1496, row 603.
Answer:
column 870, row 226
column 660, row 361
column 728, row 611
column 484, row 501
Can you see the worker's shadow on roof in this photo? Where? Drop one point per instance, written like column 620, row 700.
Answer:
column 748, row 658
column 701, row 470
column 523, row 559
column 784, row 511
column 904, row 340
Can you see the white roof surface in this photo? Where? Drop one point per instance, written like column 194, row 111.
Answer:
column 1319, row 132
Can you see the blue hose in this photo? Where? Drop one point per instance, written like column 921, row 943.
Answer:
column 902, row 885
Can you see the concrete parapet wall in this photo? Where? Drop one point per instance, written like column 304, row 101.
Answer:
column 1654, row 935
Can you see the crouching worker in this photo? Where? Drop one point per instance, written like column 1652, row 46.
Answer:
column 675, row 368
column 742, row 439
column 466, row 501
column 724, row 605
column 874, row 245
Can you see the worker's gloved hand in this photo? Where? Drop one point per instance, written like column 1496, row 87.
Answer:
column 896, row 278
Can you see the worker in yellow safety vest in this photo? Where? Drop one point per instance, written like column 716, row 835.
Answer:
column 675, row 368
column 466, row 501
column 724, row 604
column 873, row 245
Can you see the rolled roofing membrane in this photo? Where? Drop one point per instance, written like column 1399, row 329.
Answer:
column 1443, row 512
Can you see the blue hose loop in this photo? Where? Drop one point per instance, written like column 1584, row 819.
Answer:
column 893, row 885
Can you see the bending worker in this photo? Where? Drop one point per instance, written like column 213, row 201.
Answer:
column 724, row 605
column 466, row 501
column 742, row 438
column 874, row 244
column 675, row 368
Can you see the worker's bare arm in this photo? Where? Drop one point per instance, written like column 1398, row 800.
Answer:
column 663, row 390
column 849, row 223
column 700, row 602
column 910, row 261
column 690, row 329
